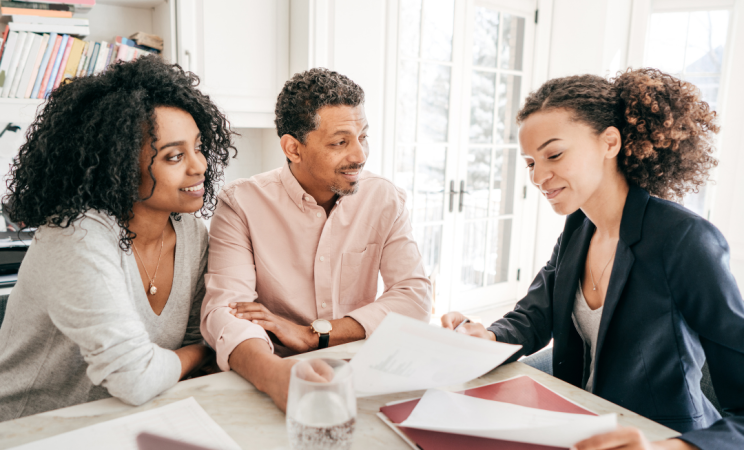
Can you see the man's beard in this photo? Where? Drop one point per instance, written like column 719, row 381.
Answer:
column 350, row 191
column 353, row 186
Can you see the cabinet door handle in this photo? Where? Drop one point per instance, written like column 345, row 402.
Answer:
column 462, row 193
column 452, row 193
column 187, row 54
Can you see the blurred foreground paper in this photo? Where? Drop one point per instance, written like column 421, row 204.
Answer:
column 405, row 354
column 184, row 421
column 460, row 414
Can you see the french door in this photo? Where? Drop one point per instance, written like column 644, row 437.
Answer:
column 462, row 71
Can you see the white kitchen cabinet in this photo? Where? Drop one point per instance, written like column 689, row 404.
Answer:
column 240, row 50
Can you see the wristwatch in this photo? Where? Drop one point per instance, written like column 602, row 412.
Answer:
column 323, row 328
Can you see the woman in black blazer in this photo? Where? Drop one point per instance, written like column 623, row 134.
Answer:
column 610, row 155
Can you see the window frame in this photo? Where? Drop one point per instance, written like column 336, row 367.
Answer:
column 526, row 209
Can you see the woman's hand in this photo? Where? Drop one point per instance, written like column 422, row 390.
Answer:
column 451, row 321
column 629, row 438
column 296, row 337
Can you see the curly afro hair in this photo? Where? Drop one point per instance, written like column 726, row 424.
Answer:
column 667, row 129
column 305, row 93
column 82, row 150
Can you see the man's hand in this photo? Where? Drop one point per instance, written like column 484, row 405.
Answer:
column 253, row 360
column 451, row 320
column 296, row 337
column 628, row 438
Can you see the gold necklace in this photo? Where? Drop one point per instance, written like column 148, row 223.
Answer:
column 603, row 270
column 152, row 290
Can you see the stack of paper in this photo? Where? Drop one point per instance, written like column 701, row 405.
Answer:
column 449, row 412
column 183, row 421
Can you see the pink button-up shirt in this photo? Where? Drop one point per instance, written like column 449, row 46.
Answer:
column 270, row 242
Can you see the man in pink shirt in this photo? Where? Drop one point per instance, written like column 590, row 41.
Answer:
column 295, row 253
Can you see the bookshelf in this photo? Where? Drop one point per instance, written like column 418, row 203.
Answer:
column 108, row 18
column 239, row 48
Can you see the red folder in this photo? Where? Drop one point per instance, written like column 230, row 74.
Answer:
column 522, row 391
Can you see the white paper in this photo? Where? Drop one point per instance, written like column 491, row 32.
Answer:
column 184, row 420
column 460, row 414
column 405, row 354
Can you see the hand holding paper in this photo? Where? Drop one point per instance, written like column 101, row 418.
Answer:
column 405, row 354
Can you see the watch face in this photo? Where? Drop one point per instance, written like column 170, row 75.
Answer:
column 322, row 326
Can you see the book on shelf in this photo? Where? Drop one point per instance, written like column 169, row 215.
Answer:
column 93, row 59
column 100, row 62
column 36, row 9
column 81, row 61
column 79, row 5
column 28, row 79
column 7, row 55
column 71, row 65
column 77, row 30
column 57, row 77
column 5, row 11
column 51, row 73
column 15, row 81
column 33, row 18
column 41, row 6
column 131, row 43
column 148, row 40
column 111, row 55
column 13, row 64
column 42, row 66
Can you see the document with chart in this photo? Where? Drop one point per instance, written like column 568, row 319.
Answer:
column 405, row 354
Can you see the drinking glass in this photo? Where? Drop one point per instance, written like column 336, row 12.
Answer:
column 321, row 407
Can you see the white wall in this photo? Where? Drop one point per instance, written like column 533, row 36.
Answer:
column 727, row 212
column 258, row 151
column 10, row 142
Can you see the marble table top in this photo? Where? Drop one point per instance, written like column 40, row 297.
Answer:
column 254, row 422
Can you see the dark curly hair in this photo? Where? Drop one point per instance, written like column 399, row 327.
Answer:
column 82, row 150
column 305, row 93
column 667, row 129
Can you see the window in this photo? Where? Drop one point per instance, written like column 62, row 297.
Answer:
column 461, row 68
column 691, row 45
column 422, row 117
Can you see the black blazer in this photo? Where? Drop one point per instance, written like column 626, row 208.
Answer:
column 672, row 303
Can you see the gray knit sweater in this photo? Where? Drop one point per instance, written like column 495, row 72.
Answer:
column 79, row 326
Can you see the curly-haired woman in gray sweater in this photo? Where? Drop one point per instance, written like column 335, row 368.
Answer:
column 108, row 296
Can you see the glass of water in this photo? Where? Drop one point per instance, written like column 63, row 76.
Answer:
column 321, row 407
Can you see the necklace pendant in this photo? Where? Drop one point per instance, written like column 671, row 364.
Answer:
column 153, row 289
column 594, row 289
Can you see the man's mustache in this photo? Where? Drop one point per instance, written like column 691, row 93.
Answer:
column 351, row 167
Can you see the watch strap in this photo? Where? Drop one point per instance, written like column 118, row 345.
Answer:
column 323, row 340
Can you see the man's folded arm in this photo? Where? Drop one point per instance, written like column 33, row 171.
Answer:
column 408, row 290
column 231, row 278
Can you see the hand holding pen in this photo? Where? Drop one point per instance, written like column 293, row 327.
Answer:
column 458, row 322
column 461, row 324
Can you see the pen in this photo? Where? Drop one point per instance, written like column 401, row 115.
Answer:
column 464, row 321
